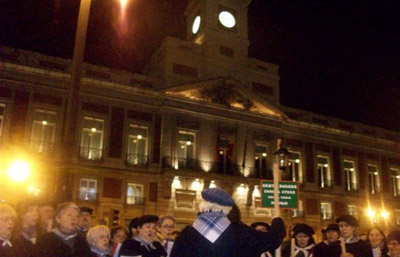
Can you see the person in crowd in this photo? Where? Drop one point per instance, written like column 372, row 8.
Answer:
column 393, row 243
column 165, row 229
column 118, row 236
column 363, row 236
column 132, row 228
column 85, row 219
column 8, row 217
column 143, row 243
column 64, row 239
column 377, row 240
column 261, row 226
column 330, row 246
column 303, row 241
column 25, row 235
column 213, row 234
column 286, row 242
column 355, row 247
column 46, row 216
column 98, row 238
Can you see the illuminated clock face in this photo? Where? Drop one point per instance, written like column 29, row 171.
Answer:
column 227, row 19
column 196, row 24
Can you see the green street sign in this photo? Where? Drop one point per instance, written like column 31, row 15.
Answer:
column 288, row 194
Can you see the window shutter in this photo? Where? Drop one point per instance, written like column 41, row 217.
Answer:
column 337, row 172
column 361, row 170
column 312, row 207
column 157, row 139
column 310, row 162
column 19, row 114
column 112, row 188
column 153, row 191
column 385, row 175
column 340, row 209
column 116, row 132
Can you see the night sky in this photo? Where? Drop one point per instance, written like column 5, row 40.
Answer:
column 337, row 58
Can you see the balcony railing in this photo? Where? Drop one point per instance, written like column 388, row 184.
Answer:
column 137, row 159
column 297, row 214
column 87, row 196
column 202, row 166
column 326, row 215
column 135, row 200
column 90, row 153
column 352, row 187
column 42, row 146
column 327, row 183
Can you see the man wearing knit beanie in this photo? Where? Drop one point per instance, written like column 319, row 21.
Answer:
column 213, row 235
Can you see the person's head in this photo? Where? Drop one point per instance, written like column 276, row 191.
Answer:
column 376, row 237
column 28, row 213
column 348, row 225
column 166, row 226
column 363, row 236
column 99, row 237
column 118, row 235
column 303, row 234
column 331, row 233
column 8, row 217
column 216, row 200
column 46, row 212
column 290, row 229
column 66, row 217
column 146, row 227
column 393, row 243
column 261, row 226
column 132, row 228
column 85, row 218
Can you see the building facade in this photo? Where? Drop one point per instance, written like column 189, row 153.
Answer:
column 201, row 114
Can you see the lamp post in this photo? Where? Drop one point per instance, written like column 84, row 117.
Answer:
column 282, row 157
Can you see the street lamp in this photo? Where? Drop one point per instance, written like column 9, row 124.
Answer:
column 18, row 171
column 282, row 156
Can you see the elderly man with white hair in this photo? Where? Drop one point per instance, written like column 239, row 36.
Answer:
column 98, row 238
column 213, row 235
column 8, row 216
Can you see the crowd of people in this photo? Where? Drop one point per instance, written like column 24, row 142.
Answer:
column 38, row 229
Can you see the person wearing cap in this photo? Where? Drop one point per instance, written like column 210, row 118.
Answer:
column 355, row 247
column 143, row 243
column 303, row 241
column 85, row 219
column 329, row 246
column 25, row 235
column 393, row 243
column 8, row 217
column 260, row 226
column 64, row 239
column 213, row 234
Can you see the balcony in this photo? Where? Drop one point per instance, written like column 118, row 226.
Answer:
column 42, row 146
column 89, row 153
column 137, row 159
column 135, row 200
column 226, row 168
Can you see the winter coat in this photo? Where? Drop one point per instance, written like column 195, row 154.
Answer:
column 133, row 247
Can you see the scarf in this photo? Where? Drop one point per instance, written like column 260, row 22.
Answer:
column 211, row 224
column 306, row 251
column 352, row 240
column 97, row 251
column 5, row 242
column 148, row 244
column 63, row 236
column 29, row 237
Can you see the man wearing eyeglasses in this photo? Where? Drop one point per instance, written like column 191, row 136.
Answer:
column 165, row 232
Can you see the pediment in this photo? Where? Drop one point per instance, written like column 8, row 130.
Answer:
column 227, row 92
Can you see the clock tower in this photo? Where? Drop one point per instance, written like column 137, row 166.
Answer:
column 220, row 26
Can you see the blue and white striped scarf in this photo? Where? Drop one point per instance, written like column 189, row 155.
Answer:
column 211, row 224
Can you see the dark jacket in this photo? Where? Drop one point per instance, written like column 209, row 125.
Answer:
column 51, row 245
column 358, row 249
column 23, row 247
column 135, row 248
column 327, row 250
column 238, row 240
column 7, row 251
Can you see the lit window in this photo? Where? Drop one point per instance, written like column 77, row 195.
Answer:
column 138, row 141
column 373, row 179
column 395, row 174
column 92, row 138
column 350, row 175
column 398, row 217
column 2, row 113
column 326, row 210
column 324, row 173
column 352, row 210
column 294, row 167
column 134, row 194
column 260, row 161
column 43, row 130
column 88, row 189
column 186, row 149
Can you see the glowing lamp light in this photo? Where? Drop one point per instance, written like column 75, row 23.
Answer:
column 196, row 185
column 283, row 157
column 370, row 213
column 123, row 2
column 264, row 154
column 31, row 188
column 212, row 184
column 385, row 214
column 241, row 189
column 44, row 123
column 221, row 152
column 297, row 161
column 19, row 171
column 176, row 183
column 93, row 130
column 375, row 173
column 256, row 192
column 139, row 136
column 326, row 165
column 351, row 169
column 188, row 142
column 256, row 157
